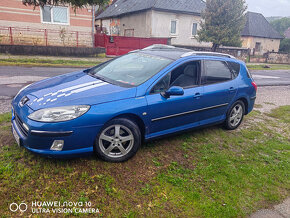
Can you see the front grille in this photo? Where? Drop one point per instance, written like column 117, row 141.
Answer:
column 20, row 126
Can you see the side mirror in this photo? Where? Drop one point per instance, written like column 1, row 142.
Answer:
column 173, row 91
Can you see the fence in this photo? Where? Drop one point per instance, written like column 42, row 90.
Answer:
column 272, row 58
column 278, row 58
column 240, row 53
column 100, row 39
column 119, row 45
column 44, row 37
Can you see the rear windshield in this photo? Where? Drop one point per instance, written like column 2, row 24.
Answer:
column 132, row 69
column 249, row 74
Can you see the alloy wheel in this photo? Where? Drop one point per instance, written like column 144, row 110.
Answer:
column 236, row 115
column 116, row 141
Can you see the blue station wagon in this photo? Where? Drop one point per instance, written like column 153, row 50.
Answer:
column 112, row 108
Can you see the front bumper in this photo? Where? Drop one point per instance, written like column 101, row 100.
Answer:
column 78, row 141
column 63, row 154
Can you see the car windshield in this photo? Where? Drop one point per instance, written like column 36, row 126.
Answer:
column 131, row 69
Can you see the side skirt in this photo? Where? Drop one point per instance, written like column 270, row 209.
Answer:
column 182, row 129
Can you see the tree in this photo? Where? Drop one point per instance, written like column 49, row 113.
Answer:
column 223, row 22
column 281, row 25
column 73, row 3
column 285, row 46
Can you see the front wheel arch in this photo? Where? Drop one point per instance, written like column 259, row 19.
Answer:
column 114, row 140
column 136, row 119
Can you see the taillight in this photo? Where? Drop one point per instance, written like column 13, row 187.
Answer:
column 255, row 85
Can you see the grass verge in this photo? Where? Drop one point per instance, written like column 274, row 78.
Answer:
column 47, row 62
column 204, row 173
column 30, row 61
column 283, row 113
column 272, row 66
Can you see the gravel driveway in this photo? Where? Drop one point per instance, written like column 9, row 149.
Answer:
column 270, row 97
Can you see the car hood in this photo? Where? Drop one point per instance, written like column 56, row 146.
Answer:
column 77, row 88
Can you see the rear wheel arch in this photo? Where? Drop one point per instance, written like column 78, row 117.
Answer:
column 245, row 101
column 235, row 115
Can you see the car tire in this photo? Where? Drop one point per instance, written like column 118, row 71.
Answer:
column 235, row 115
column 118, row 140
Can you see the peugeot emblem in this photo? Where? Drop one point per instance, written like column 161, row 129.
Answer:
column 23, row 101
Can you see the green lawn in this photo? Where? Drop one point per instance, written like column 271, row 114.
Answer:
column 47, row 62
column 89, row 62
column 272, row 66
column 204, row 173
column 83, row 62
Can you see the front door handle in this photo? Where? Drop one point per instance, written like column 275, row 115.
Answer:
column 232, row 89
column 197, row 95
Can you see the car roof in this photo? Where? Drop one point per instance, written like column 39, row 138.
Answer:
column 175, row 53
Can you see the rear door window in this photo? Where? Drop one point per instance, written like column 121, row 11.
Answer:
column 216, row 72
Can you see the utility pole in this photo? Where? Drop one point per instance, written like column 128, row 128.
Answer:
column 93, row 25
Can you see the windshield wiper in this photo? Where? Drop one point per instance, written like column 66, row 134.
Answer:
column 98, row 77
column 87, row 70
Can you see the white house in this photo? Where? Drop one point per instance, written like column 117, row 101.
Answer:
column 179, row 20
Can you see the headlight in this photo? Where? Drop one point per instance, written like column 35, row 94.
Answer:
column 58, row 114
column 22, row 90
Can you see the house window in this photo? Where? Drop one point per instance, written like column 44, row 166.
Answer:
column 129, row 32
column 173, row 28
column 55, row 14
column 258, row 46
column 194, row 29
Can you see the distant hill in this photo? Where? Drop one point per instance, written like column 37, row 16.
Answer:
column 270, row 19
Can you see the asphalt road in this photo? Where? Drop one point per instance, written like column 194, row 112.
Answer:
column 12, row 78
column 271, row 77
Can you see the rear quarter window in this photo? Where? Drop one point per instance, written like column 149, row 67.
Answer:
column 235, row 68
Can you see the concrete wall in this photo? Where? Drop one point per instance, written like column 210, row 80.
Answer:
column 139, row 22
column 267, row 45
column 278, row 58
column 161, row 23
column 50, row 50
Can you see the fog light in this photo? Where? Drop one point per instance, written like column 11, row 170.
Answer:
column 57, row 145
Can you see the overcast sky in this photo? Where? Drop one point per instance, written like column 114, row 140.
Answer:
column 270, row 7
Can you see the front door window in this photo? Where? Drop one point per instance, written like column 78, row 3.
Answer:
column 185, row 76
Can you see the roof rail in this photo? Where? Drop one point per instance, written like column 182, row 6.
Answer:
column 206, row 53
column 155, row 46
column 158, row 46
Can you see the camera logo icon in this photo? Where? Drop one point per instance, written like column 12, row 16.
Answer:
column 22, row 207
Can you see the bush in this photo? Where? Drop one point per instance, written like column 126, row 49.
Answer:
column 285, row 46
